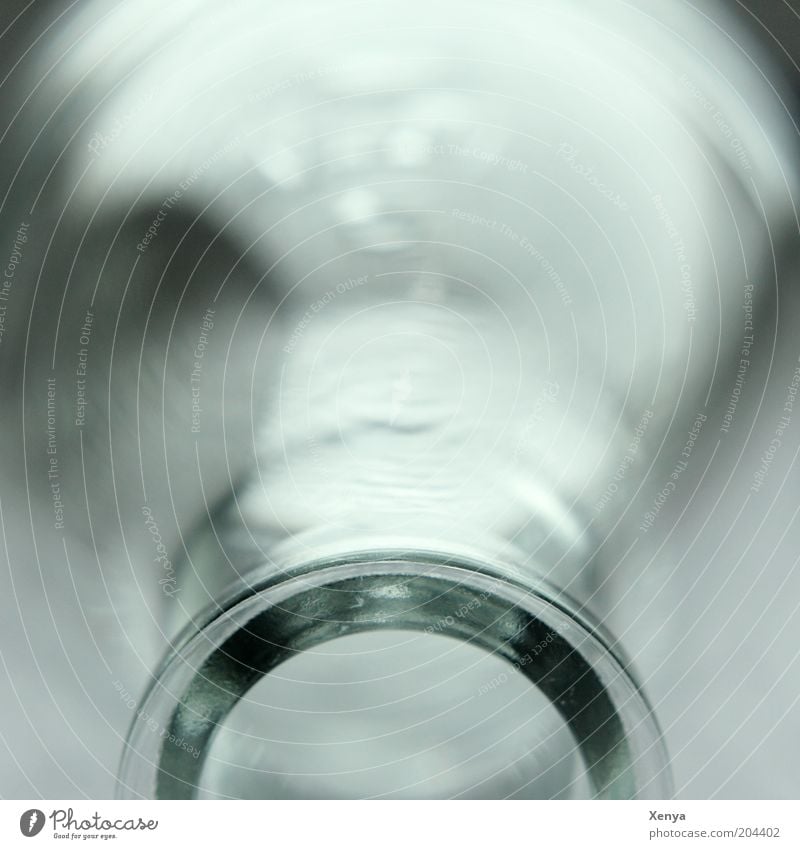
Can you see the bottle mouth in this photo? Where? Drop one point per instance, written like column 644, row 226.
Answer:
column 610, row 729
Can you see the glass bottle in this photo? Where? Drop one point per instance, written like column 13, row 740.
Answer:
column 464, row 278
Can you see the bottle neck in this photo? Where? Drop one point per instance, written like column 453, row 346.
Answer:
column 401, row 487
column 411, row 410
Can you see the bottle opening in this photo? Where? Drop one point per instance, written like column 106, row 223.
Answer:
column 394, row 714
column 395, row 676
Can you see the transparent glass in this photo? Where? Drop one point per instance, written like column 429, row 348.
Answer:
column 485, row 264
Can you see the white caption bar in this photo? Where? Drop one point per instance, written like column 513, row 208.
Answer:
column 400, row 825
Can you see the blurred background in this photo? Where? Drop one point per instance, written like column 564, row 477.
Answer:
column 726, row 691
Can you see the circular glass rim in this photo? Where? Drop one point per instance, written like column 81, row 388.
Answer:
column 216, row 664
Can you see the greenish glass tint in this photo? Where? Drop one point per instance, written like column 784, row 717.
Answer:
column 481, row 604
column 464, row 277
